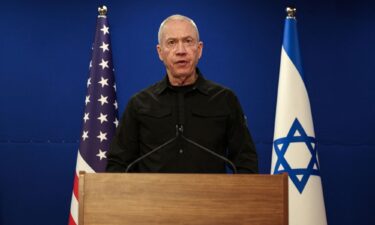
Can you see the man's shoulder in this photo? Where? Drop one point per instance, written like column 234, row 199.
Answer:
column 152, row 89
column 214, row 88
column 147, row 92
column 143, row 98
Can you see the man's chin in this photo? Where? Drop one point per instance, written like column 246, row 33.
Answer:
column 183, row 72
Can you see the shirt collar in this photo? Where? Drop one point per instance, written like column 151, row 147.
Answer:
column 200, row 84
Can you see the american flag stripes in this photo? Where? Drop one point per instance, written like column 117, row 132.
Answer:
column 100, row 118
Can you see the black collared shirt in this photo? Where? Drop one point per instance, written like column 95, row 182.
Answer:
column 209, row 114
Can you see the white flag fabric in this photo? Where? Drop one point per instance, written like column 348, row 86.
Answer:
column 294, row 144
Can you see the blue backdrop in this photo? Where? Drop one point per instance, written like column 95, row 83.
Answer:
column 44, row 57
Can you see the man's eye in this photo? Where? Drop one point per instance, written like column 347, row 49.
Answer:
column 171, row 42
column 189, row 42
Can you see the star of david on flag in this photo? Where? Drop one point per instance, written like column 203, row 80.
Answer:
column 299, row 176
column 100, row 117
column 294, row 148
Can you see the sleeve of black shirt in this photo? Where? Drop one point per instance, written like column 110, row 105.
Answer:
column 241, row 148
column 124, row 147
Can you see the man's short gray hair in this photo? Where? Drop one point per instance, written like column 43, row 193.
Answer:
column 176, row 17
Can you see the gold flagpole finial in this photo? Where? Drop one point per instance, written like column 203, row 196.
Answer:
column 291, row 12
column 102, row 10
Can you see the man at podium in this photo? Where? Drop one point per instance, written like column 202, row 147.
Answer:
column 184, row 123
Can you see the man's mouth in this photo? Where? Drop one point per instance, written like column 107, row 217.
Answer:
column 181, row 62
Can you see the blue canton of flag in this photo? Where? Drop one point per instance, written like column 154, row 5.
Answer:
column 294, row 146
column 101, row 114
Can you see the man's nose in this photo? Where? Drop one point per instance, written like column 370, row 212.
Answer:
column 180, row 48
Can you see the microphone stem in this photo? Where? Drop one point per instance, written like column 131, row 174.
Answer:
column 179, row 133
column 154, row 150
column 181, row 130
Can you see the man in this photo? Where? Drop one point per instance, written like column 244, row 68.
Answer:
column 182, row 116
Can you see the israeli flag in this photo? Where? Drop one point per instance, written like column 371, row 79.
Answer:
column 294, row 144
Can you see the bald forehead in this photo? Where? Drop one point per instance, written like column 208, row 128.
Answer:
column 176, row 23
column 176, row 26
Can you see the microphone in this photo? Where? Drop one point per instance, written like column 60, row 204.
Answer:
column 181, row 132
column 152, row 151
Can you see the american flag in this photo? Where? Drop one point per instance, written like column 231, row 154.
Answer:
column 100, row 118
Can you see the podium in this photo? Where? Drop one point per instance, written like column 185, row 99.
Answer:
column 203, row 199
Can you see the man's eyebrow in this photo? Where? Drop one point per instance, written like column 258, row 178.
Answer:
column 171, row 38
column 175, row 38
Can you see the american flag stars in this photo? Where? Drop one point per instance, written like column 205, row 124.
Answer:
column 87, row 99
column 102, row 154
column 104, row 64
column 102, row 136
column 116, row 122
column 104, row 46
column 103, row 99
column 103, row 82
column 86, row 117
column 103, row 118
column 100, row 117
column 85, row 135
column 105, row 29
column 89, row 80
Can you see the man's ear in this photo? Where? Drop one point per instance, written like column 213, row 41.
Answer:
column 200, row 49
column 158, row 49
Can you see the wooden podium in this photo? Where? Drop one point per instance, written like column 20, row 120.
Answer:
column 174, row 199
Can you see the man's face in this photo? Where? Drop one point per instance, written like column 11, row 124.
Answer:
column 179, row 48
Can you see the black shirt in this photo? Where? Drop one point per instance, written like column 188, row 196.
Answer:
column 210, row 115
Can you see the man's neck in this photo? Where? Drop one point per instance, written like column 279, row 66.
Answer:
column 183, row 81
